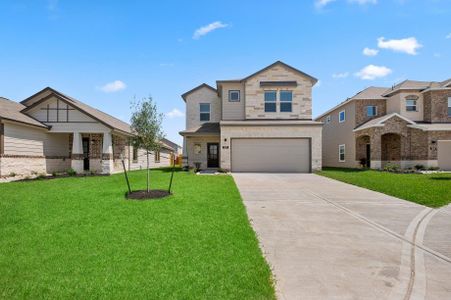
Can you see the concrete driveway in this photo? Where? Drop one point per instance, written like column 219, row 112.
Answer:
column 325, row 239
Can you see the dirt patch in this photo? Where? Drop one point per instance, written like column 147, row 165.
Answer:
column 144, row 195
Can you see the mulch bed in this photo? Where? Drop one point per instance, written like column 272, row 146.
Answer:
column 144, row 195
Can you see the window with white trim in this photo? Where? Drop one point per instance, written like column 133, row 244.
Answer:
column 342, row 116
column 204, row 109
column 286, row 98
column 449, row 106
column 328, row 119
column 270, row 101
column 371, row 111
column 411, row 104
column 234, row 96
column 341, row 153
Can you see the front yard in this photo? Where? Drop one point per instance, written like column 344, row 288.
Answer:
column 79, row 238
column 433, row 190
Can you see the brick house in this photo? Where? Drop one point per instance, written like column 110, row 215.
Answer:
column 408, row 124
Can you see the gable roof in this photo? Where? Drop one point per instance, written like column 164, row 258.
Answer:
column 203, row 85
column 312, row 79
column 370, row 93
column 11, row 111
column 203, row 129
column 94, row 113
column 379, row 122
column 411, row 85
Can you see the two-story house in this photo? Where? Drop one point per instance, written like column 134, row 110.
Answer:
column 260, row 123
column 408, row 124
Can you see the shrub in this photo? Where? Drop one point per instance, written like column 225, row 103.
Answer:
column 197, row 167
column 419, row 167
column 390, row 167
column 221, row 170
column 433, row 168
column 54, row 174
column 363, row 162
column 12, row 174
column 71, row 172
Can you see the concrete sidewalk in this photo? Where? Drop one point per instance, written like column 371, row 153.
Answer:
column 326, row 239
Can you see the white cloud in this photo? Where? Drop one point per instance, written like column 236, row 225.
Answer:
column 407, row 45
column 340, row 75
column 114, row 86
column 370, row 52
column 363, row 2
column 322, row 3
column 372, row 72
column 448, row 36
column 175, row 113
column 207, row 29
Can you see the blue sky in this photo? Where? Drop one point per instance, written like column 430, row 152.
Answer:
column 106, row 52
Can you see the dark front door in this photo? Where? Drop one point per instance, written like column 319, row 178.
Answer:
column 85, row 154
column 368, row 155
column 212, row 155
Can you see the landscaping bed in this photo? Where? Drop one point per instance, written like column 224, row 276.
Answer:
column 79, row 238
column 433, row 190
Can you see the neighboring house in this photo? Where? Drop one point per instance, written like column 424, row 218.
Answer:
column 261, row 123
column 408, row 124
column 51, row 132
column 178, row 150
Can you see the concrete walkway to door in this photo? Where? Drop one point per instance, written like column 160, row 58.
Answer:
column 325, row 239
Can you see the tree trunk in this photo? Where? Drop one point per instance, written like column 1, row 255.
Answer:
column 148, row 173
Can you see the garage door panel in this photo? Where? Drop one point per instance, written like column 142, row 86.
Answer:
column 271, row 155
column 444, row 155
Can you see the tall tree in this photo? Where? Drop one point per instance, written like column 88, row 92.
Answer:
column 146, row 124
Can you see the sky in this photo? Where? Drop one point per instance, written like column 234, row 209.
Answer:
column 106, row 53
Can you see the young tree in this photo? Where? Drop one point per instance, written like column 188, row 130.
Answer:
column 146, row 124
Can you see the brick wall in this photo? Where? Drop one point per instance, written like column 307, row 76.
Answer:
column 361, row 113
column 436, row 106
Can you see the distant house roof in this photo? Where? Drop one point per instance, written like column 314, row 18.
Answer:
column 204, row 129
column 11, row 110
column 203, row 85
column 412, row 85
column 171, row 144
column 96, row 114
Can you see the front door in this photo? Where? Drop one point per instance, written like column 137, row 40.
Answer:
column 368, row 155
column 212, row 155
column 85, row 154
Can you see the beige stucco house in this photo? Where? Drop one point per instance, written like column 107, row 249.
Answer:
column 52, row 132
column 260, row 123
column 408, row 124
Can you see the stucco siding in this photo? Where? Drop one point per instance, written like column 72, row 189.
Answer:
column 336, row 133
column 397, row 104
column 193, row 101
column 302, row 94
column 232, row 110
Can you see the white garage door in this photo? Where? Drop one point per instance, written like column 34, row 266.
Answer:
column 444, row 155
column 271, row 155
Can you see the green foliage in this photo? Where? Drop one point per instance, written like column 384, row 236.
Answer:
column 427, row 189
column 78, row 238
column 390, row 167
column 71, row 172
column 419, row 167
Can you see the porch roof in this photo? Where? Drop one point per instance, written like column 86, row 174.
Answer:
column 379, row 122
column 203, row 129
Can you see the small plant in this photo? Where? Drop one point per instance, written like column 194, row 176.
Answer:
column 419, row 167
column 221, row 170
column 363, row 162
column 92, row 172
column 71, row 172
column 34, row 173
column 197, row 167
column 393, row 168
column 12, row 174
column 54, row 174
column 433, row 168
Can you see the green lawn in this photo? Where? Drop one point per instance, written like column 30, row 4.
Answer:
column 432, row 190
column 79, row 238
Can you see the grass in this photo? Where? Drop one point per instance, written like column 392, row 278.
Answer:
column 79, row 238
column 433, row 190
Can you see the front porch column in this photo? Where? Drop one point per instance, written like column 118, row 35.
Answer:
column 376, row 156
column 77, row 153
column 107, row 154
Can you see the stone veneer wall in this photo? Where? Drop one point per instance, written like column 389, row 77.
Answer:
column 436, row 106
column 201, row 157
column 361, row 113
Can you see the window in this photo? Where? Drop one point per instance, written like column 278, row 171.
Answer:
column 449, row 106
column 135, row 153
column 342, row 116
column 270, row 101
column 411, row 105
column 205, row 112
column 157, row 156
column 341, row 153
column 234, row 96
column 328, row 119
column 371, row 111
column 286, row 98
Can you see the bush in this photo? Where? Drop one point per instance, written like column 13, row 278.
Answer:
column 363, row 162
column 197, row 167
column 390, row 167
column 12, row 174
column 71, row 172
column 221, row 170
column 433, row 168
column 54, row 174
column 419, row 167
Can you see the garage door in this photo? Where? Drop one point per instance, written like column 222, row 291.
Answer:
column 444, row 155
column 271, row 155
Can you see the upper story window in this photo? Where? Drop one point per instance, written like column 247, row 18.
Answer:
column 371, row 111
column 205, row 112
column 449, row 106
column 411, row 105
column 286, row 98
column 270, row 101
column 234, row 96
column 328, row 118
column 342, row 116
